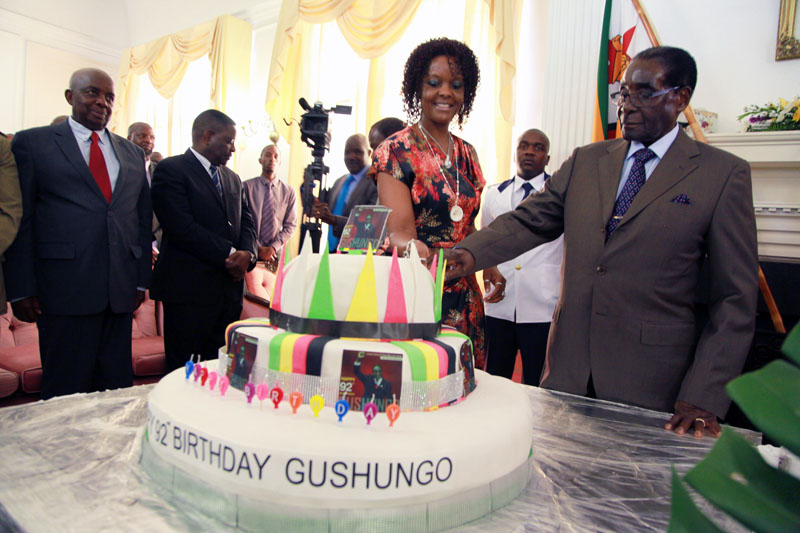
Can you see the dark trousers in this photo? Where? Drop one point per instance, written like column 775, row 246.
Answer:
column 504, row 338
column 85, row 353
column 196, row 329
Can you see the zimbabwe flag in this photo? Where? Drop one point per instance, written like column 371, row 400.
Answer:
column 623, row 36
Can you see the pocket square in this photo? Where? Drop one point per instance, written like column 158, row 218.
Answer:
column 682, row 199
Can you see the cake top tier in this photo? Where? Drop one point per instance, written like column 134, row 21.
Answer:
column 358, row 295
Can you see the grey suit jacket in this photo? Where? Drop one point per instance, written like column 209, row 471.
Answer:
column 626, row 313
column 76, row 252
column 199, row 230
column 365, row 193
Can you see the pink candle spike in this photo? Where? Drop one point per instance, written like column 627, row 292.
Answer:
column 395, row 295
column 433, row 265
column 276, row 292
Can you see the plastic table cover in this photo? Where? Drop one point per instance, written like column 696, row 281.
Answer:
column 71, row 464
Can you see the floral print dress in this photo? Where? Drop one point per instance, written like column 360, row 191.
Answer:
column 434, row 191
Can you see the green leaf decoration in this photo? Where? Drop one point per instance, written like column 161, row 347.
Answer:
column 736, row 479
column 770, row 397
column 684, row 516
column 791, row 346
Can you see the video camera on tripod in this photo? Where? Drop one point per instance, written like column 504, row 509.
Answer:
column 314, row 131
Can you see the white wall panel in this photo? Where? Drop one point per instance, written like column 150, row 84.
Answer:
column 12, row 63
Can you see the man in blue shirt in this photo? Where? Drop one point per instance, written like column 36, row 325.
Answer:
column 348, row 191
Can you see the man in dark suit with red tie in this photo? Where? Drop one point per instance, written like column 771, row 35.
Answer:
column 208, row 244
column 81, row 262
column 641, row 216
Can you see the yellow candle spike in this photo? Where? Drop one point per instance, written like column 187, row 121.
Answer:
column 364, row 306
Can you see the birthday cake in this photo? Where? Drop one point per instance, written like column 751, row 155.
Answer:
column 348, row 407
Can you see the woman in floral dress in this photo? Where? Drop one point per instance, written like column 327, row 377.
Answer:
column 430, row 178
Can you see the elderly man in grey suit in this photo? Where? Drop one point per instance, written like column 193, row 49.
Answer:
column 640, row 215
column 80, row 263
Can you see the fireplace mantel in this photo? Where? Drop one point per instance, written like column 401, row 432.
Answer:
column 774, row 158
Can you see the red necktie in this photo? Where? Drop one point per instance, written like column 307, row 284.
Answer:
column 97, row 166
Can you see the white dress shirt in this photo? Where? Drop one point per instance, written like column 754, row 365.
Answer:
column 659, row 148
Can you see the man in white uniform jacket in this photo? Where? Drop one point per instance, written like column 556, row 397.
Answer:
column 521, row 294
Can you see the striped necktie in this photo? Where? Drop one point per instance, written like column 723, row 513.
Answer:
column 267, row 227
column 215, row 179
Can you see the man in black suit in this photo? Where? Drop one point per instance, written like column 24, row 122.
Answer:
column 208, row 244
column 376, row 387
column 80, row 263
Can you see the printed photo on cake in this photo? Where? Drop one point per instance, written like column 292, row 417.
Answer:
column 366, row 225
column 243, row 350
column 370, row 377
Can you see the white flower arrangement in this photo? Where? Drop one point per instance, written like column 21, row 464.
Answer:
column 783, row 116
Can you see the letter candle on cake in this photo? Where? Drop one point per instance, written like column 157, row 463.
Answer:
column 203, row 376
column 189, row 366
column 295, row 400
column 370, row 410
column 224, row 383
column 212, row 379
column 249, row 391
column 341, row 407
column 277, row 395
column 317, row 402
column 262, row 391
column 393, row 411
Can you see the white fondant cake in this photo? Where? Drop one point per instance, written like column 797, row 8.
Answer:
column 381, row 422
column 472, row 456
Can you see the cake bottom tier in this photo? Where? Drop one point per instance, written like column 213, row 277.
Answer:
column 256, row 467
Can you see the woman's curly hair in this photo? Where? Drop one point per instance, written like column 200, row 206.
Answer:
column 417, row 67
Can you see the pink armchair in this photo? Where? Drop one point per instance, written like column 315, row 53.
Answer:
column 21, row 368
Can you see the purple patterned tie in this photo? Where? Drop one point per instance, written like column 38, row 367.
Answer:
column 636, row 179
column 266, row 230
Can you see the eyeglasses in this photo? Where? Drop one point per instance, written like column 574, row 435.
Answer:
column 639, row 98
